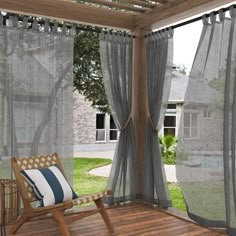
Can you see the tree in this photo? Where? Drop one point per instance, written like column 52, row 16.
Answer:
column 88, row 78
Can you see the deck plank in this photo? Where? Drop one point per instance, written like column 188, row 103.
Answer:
column 129, row 220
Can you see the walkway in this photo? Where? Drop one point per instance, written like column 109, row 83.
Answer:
column 107, row 151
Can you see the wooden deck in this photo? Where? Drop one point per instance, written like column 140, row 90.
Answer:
column 136, row 219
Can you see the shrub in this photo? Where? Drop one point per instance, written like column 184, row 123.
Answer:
column 168, row 148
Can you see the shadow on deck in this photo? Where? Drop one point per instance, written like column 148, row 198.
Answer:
column 135, row 219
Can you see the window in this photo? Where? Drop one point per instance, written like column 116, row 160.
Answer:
column 171, row 106
column 113, row 130
column 169, row 125
column 207, row 114
column 100, row 127
column 190, row 125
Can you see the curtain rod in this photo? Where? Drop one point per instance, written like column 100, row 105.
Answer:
column 97, row 30
column 193, row 20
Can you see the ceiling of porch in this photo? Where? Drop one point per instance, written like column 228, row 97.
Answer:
column 123, row 14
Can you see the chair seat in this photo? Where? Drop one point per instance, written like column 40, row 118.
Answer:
column 89, row 198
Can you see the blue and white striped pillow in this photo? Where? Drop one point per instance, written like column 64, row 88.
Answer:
column 49, row 185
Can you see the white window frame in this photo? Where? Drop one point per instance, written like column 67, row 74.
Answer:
column 168, row 113
column 118, row 133
column 97, row 130
column 208, row 114
column 190, row 130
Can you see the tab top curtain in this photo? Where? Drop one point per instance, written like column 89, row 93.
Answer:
column 116, row 58
column 159, row 69
column 35, row 92
column 207, row 136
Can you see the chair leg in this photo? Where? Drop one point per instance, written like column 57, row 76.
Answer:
column 103, row 212
column 59, row 217
column 20, row 221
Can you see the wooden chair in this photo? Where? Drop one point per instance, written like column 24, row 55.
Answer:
column 57, row 210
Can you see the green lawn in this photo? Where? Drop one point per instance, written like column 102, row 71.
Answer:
column 84, row 183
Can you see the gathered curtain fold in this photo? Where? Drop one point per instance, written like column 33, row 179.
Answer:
column 36, row 87
column 159, row 68
column 206, row 143
column 116, row 58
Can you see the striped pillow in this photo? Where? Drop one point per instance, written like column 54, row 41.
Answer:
column 49, row 185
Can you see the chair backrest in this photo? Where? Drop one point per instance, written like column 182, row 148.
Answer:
column 34, row 162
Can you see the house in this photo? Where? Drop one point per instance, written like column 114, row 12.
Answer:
column 93, row 126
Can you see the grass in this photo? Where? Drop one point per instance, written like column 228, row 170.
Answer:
column 84, row 183
column 176, row 197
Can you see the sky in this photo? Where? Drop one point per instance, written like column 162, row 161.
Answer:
column 186, row 39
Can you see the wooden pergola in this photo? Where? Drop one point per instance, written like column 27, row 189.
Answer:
column 137, row 16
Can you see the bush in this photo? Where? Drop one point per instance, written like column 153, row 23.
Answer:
column 168, row 148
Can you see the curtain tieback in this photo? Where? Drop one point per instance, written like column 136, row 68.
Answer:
column 154, row 129
column 126, row 123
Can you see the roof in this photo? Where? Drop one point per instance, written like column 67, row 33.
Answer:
column 178, row 87
column 124, row 14
column 191, row 91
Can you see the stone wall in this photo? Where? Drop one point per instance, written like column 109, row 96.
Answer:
column 84, row 120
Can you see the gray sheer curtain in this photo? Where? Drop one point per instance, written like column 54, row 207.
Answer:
column 206, row 145
column 159, row 68
column 35, row 92
column 116, row 58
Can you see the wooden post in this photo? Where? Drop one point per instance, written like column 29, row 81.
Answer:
column 140, row 101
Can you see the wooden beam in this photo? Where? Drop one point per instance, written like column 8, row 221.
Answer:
column 139, row 3
column 160, row 1
column 169, row 9
column 139, row 101
column 116, row 5
column 70, row 11
column 191, row 13
column 121, row 3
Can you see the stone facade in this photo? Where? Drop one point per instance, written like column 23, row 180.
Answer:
column 84, row 124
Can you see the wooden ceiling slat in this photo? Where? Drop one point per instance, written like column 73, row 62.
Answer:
column 139, row 2
column 69, row 11
column 117, row 5
column 163, row 11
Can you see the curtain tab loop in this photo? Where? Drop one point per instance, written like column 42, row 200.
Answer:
column 126, row 123
column 46, row 26
column 102, row 35
column 205, row 19
column 15, row 21
column 63, row 29
column 171, row 32
column 55, row 28
column 154, row 129
column 1, row 20
column 213, row 18
column 232, row 11
column 10, row 22
column 35, row 25
column 73, row 30
column 25, row 23
column 221, row 15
